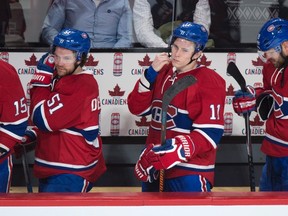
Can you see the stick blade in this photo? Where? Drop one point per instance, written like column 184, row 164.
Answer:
column 233, row 70
column 177, row 87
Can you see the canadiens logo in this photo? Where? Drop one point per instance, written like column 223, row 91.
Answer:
column 115, row 124
column 228, row 123
column 203, row 61
column 4, row 56
column 258, row 67
column 116, row 92
column 156, row 115
column 271, row 28
column 91, row 64
column 143, row 127
column 84, row 35
column 231, row 57
column 229, row 94
column 258, row 62
column 144, row 63
column 31, row 63
column 256, row 122
column 143, row 122
column 256, row 126
column 117, row 64
column 116, row 95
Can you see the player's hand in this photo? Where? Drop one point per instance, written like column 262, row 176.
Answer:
column 265, row 104
column 160, row 60
column 244, row 102
column 27, row 139
column 44, row 72
column 174, row 151
column 143, row 170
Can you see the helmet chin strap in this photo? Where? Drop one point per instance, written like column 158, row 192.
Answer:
column 75, row 67
column 191, row 60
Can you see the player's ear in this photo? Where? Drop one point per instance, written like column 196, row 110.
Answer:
column 285, row 47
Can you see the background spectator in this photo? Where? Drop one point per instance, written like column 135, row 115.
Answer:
column 5, row 15
column 17, row 25
column 162, row 13
column 107, row 22
column 150, row 33
column 223, row 31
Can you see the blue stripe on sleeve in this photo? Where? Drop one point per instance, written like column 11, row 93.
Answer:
column 18, row 129
column 38, row 119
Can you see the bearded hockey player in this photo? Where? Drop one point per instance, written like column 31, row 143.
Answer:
column 65, row 109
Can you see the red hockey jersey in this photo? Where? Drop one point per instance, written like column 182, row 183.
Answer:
column 275, row 142
column 13, row 109
column 196, row 111
column 68, row 138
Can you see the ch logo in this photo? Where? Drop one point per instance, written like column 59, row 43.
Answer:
column 156, row 115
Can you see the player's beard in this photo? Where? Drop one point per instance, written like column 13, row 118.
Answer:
column 278, row 63
column 64, row 71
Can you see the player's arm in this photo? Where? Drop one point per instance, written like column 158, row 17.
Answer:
column 140, row 99
column 202, row 14
column 44, row 72
column 13, row 120
column 125, row 28
column 53, row 22
column 149, row 76
column 143, row 25
column 66, row 112
column 206, row 110
column 71, row 106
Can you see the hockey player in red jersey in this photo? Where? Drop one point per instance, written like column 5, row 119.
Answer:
column 271, row 103
column 65, row 108
column 195, row 121
column 13, row 120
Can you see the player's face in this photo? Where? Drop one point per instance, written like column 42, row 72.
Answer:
column 274, row 57
column 64, row 61
column 181, row 53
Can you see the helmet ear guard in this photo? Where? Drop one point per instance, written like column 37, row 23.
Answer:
column 193, row 32
column 74, row 40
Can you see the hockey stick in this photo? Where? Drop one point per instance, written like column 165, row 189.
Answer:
column 23, row 149
column 233, row 70
column 169, row 94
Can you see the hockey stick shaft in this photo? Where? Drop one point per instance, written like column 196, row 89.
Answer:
column 26, row 171
column 169, row 94
column 250, row 155
column 21, row 150
column 233, row 70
